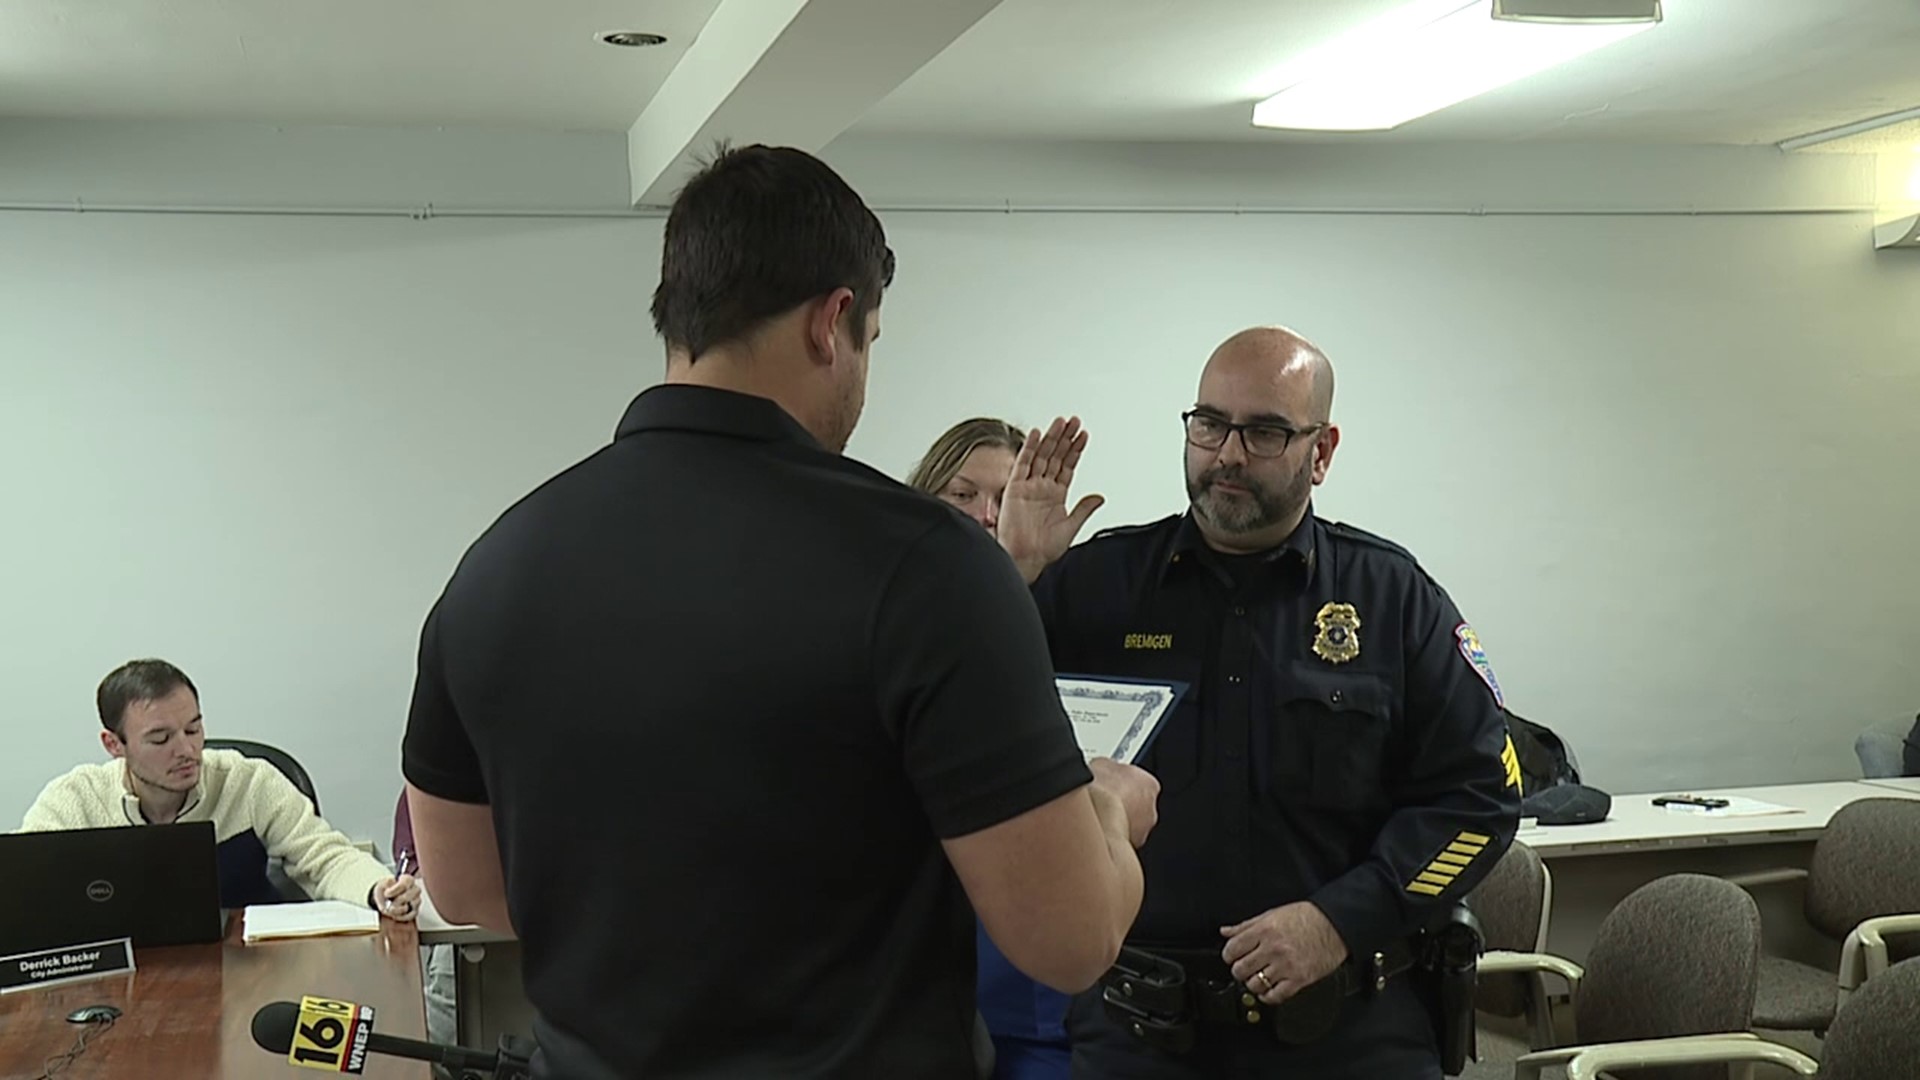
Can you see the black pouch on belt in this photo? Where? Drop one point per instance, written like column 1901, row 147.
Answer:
column 1311, row 1014
column 1148, row 996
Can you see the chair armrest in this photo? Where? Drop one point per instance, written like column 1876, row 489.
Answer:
column 1502, row 962
column 1529, row 1066
column 1864, row 954
column 1757, row 878
column 1590, row 1062
column 1534, row 967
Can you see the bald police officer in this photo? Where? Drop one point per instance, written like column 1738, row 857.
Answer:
column 1335, row 779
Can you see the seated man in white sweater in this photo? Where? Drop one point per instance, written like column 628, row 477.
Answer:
column 163, row 774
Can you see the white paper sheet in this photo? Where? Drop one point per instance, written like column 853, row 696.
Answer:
column 320, row 918
column 1737, row 806
column 1116, row 718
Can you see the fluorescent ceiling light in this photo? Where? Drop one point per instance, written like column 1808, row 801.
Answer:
column 1421, row 59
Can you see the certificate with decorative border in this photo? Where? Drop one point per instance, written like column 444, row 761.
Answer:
column 1116, row 718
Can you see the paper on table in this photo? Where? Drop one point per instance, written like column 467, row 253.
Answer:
column 1737, row 806
column 319, row 918
column 1116, row 718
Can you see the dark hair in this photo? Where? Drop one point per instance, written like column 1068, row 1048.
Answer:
column 757, row 232
column 137, row 680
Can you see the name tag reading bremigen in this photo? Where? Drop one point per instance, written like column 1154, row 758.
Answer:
column 1116, row 718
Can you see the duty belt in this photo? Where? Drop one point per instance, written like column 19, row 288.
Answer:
column 1163, row 995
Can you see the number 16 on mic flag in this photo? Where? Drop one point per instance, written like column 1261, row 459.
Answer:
column 331, row 1035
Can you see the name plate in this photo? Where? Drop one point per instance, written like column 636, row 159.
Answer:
column 71, row 963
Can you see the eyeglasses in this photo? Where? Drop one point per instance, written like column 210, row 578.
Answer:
column 1210, row 432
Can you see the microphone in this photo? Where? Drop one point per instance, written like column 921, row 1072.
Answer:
column 337, row 1036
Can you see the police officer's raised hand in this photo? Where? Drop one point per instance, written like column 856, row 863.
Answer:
column 1035, row 525
column 1284, row 951
column 1135, row 789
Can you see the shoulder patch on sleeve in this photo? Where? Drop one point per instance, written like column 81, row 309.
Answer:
column 1477, row 659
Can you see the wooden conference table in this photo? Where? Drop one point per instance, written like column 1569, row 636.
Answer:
column 187, row 1010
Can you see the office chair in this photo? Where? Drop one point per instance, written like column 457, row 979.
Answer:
column 1513, row 904
column 1873, row 1038
column 279, row 758
column 1882, row 753
column 297, row 775
column 1679, row 956
column 1861, row 887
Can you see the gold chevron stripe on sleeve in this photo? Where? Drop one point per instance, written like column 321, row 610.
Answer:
column 1460, row 852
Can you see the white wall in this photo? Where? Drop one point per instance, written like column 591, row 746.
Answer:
column 1661, row 461
column 257, row 446
column 1664, row 464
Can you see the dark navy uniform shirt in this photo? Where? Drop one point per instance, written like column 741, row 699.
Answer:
column 1342, row 738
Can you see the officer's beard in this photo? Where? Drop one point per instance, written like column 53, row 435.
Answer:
column 1263, row 506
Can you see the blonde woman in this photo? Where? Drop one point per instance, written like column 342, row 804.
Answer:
column 969, row 466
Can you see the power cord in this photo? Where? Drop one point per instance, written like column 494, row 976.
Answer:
column 93, row 1030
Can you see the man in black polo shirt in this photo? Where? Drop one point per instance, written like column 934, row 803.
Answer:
column 730, row 729
column 1337, row 776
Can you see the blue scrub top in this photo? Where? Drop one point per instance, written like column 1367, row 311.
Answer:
column 1013, row 1005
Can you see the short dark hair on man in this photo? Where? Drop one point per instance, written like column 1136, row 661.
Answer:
column 137, row 680
column 759, row 231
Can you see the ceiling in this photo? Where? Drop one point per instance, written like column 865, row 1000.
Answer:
column 1896, row 135
column 484, row 63
column 1718, row 71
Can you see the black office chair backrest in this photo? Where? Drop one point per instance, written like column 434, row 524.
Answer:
column 280, row 759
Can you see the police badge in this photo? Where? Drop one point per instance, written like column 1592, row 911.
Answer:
column 1338, row 639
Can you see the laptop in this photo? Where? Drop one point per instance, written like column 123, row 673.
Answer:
column 157, row 884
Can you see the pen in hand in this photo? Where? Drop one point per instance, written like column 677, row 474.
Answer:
column 402, row 888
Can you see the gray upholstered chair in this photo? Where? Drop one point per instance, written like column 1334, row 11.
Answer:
column 1863, row 885
column 1679, row 956
column 1513, row 904
column 1882, row 753
column 1874, row 1037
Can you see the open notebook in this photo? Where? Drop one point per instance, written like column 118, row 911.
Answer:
column 320, row 918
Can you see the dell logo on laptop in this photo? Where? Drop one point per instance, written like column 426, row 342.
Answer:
column 100, row 891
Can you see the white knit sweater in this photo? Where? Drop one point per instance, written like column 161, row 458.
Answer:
column 238, row 794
